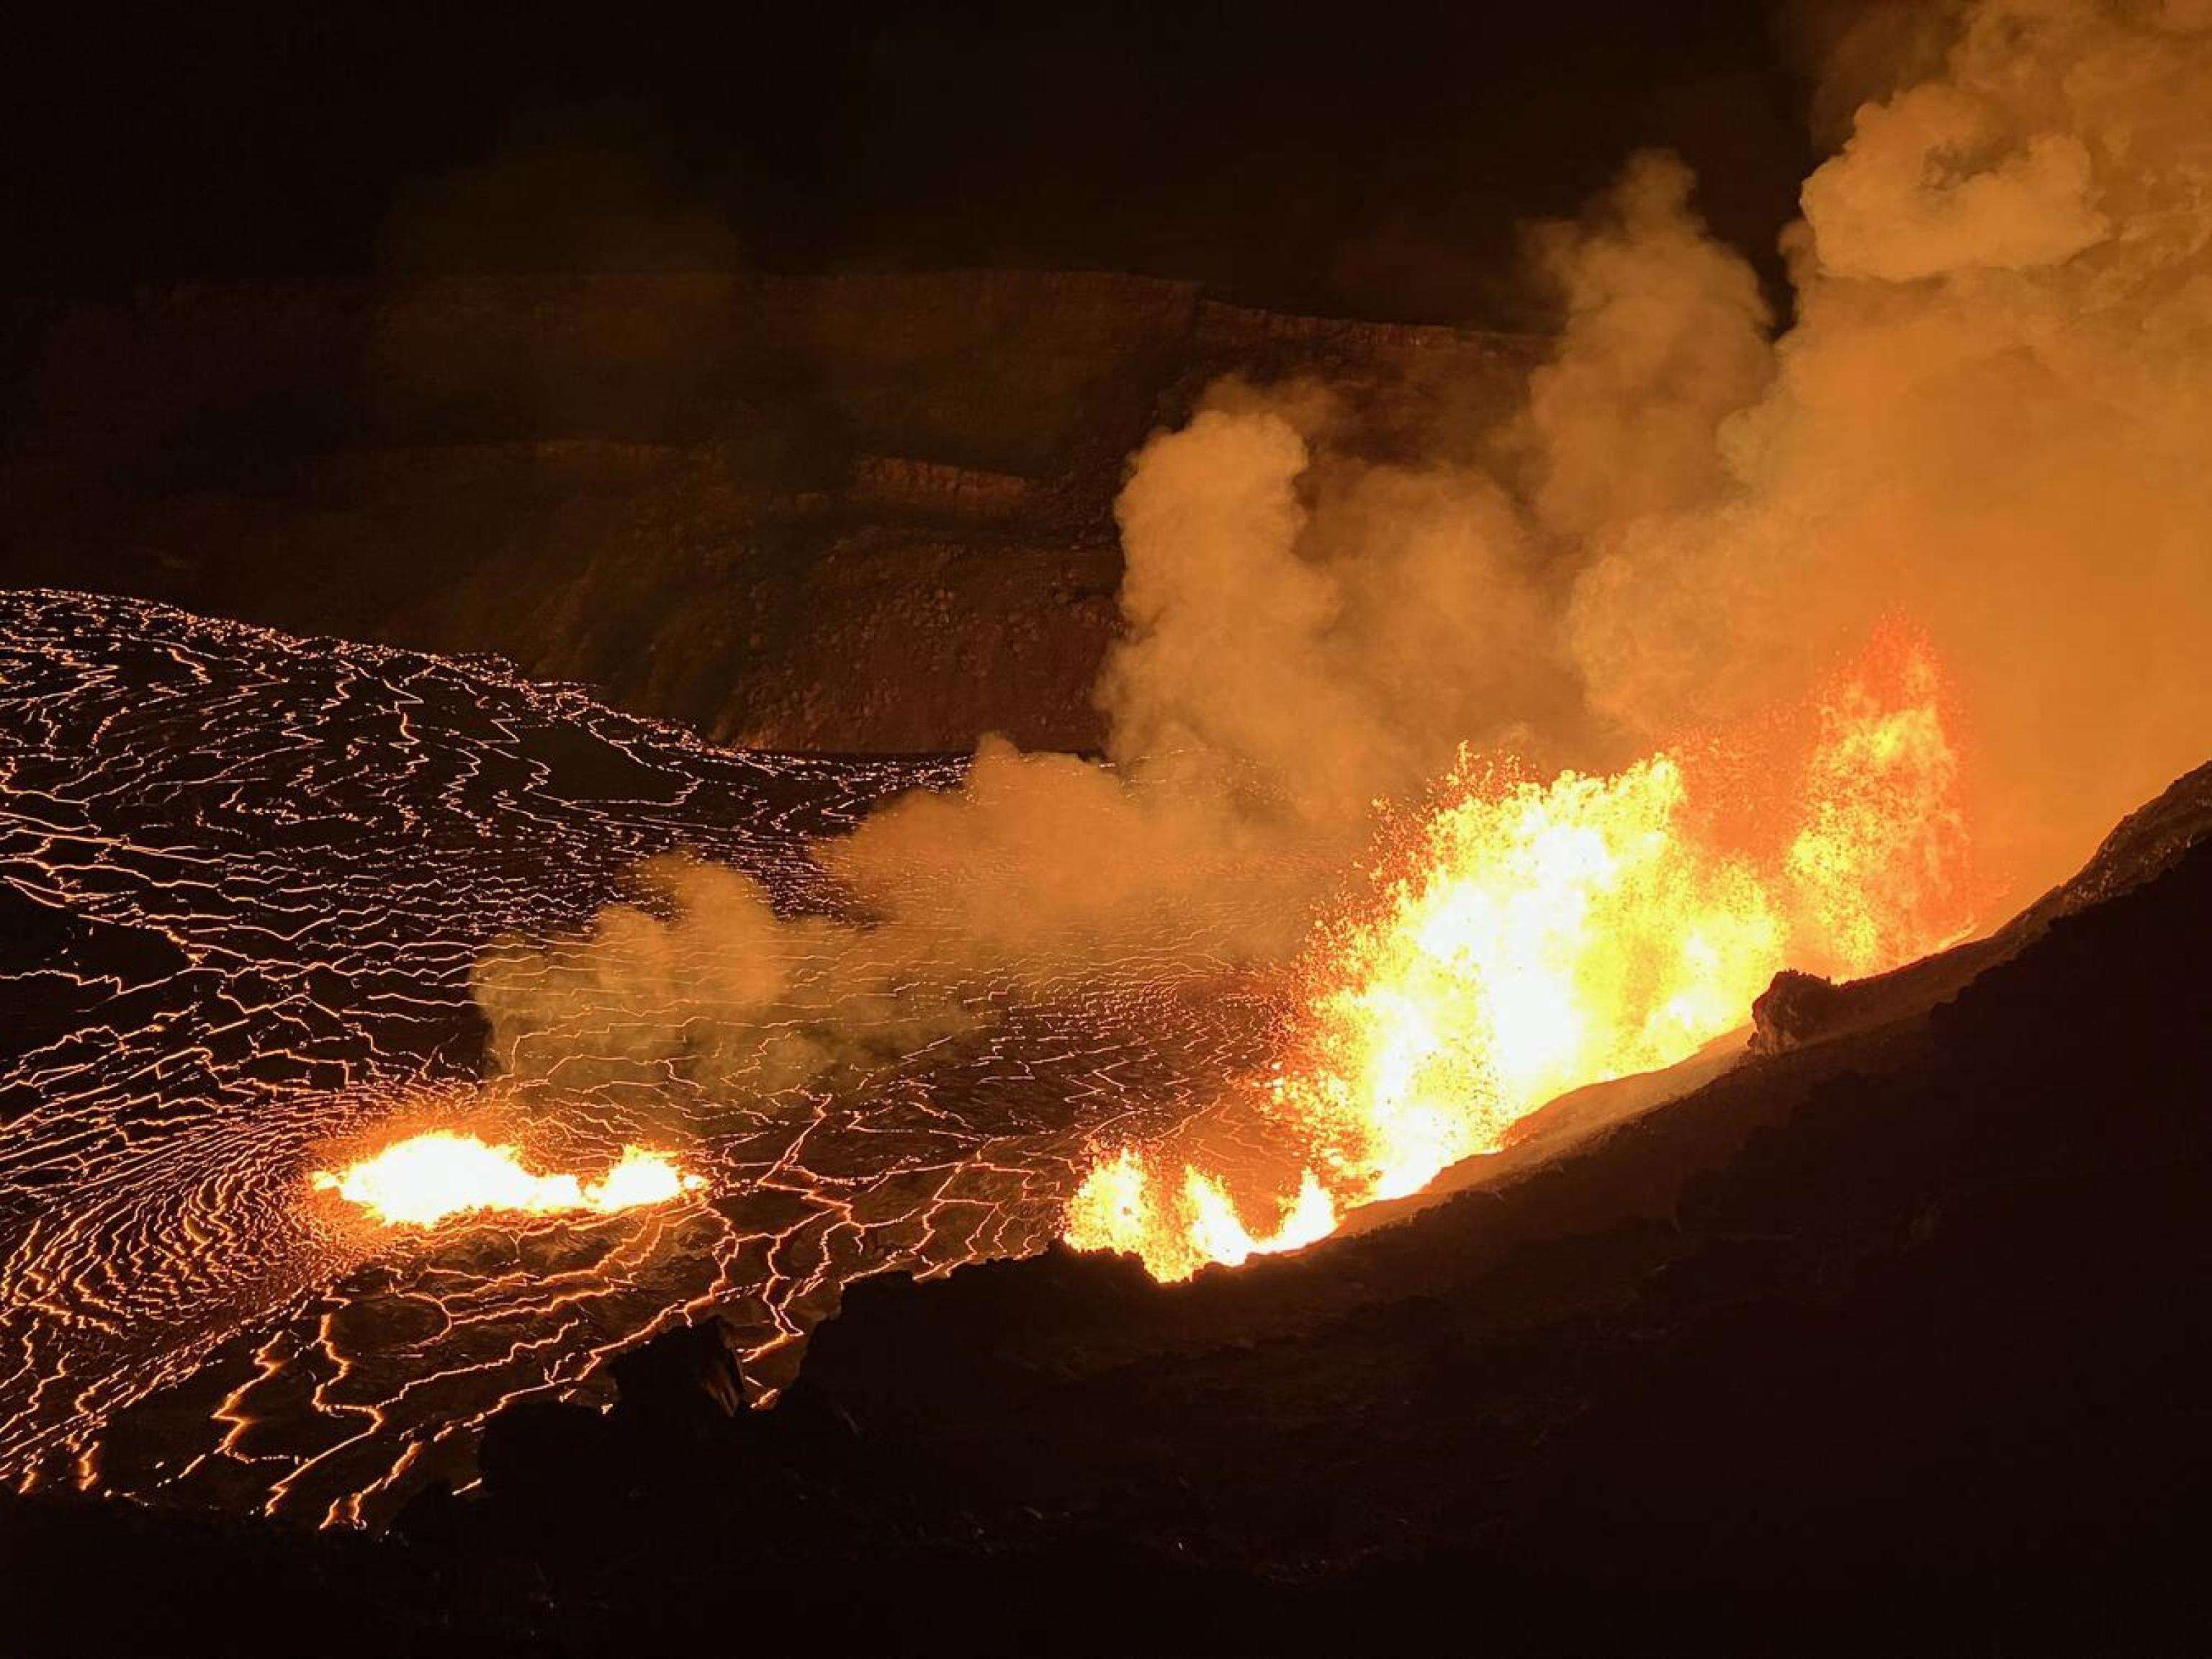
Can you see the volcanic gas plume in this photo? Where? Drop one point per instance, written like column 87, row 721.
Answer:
column 1574, row 641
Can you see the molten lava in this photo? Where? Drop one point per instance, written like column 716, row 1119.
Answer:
column 1537, row 937
column 1877, row 871
column 427, row 1178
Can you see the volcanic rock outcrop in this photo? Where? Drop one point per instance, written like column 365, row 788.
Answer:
column 1796, row 1008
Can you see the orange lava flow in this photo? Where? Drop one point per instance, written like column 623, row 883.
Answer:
column 1539, row 936
column 427, row 1178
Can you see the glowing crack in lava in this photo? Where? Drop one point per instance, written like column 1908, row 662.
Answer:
column 426, row 1178
column 1536, row 936
column 248, row 885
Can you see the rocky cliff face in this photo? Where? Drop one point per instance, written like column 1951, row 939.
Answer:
column 863, row 512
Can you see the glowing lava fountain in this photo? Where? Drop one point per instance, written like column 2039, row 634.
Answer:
column 1534, row 937
column 428, row 1178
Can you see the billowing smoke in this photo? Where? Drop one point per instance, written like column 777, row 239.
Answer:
column 1991, row 416
column 710, row 983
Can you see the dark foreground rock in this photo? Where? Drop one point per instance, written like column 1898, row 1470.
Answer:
column 1796, row 1009
column 1894, row 1342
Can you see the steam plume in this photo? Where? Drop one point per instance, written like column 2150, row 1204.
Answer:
column 1992, row 415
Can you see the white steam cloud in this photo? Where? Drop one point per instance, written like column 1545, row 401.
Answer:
column 1992, row 415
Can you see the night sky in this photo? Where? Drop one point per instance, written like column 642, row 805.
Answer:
column 1365, row 159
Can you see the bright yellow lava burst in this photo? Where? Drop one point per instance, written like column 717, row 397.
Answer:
column 424, row 1180
column 1875, row 866
column 1559, row 933
column 1555, row 934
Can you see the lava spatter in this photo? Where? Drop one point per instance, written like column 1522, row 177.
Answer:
column 1535, row 936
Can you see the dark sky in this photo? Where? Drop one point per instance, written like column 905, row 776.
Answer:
column 1370, row 158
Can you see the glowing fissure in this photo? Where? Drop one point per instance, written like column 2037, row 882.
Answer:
column 429, row 1178
column 1540, row 936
